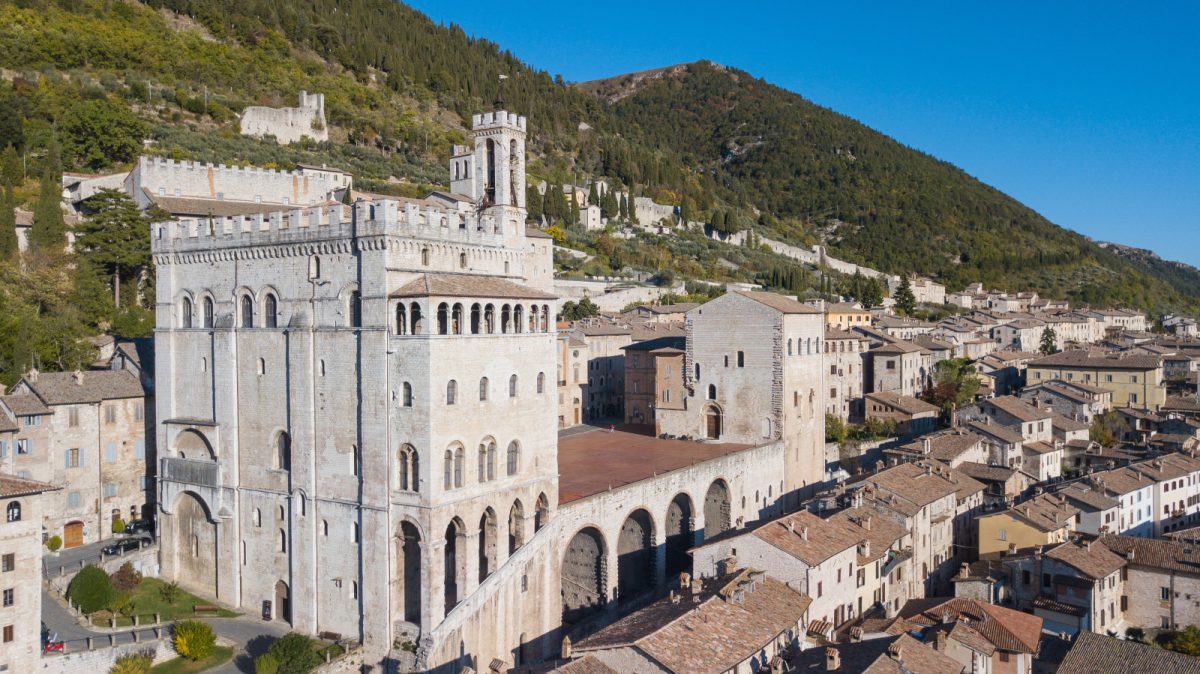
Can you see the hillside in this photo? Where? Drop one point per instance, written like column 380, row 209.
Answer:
column 720, row 143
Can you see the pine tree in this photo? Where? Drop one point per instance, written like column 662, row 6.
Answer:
column 624, row 207
column 593, row 198
column 48, row 233
column 115, row 238
column 8, row 223
column 633, row 219
column 533, row 202
column 11, row 172
column 906, row 302
column 1049, row 343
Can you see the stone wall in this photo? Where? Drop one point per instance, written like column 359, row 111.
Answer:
column 288, row 125
column 102, row 657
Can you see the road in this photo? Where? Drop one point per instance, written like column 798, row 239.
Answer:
column 61, row 622
column 70, row 558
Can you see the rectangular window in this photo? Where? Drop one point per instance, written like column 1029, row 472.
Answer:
column 820, row 589
column 8, row 562
column 73, row 499
column 1165, row 593
column 110, row 489
column 741, row 359
column 110, row 453
column 24, row 446
column 72, row 458
column 32, row 420
column 8, row 633
column 1166, row 623
column 891, row 365
column 73, row 416
column 110, row 414
column 8, row 597
column 1133, row 397
column 139, row 412
column 1003, row 535
column 3, row 449
column 141, row 450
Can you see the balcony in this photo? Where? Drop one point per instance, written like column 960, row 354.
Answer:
column 190, row 471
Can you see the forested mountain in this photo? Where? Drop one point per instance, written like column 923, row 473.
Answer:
column 83, row 82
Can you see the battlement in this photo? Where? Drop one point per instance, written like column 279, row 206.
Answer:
column 497, row 119
column 327, row 222
column 167, row 177
column 162, row 163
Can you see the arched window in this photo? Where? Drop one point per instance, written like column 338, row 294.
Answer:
column 354, row 531
column 482, row 462
column 269, row 311
column 789, row 347
column 443, row 319
column 256, row 516
column 282, row 540
column 518, row 319
column 401, row 319
column 512, row 386
column 408, row 469
column 282, row 514
column 459, row 459
column 13, row 511
column 514, row 456
column 489, row 319
column 208, row 312
column 505, row 319
column 448, row 470
column 545, row 318
column 314, row 267
column 541, row 382
column 451, row 392
column 406, row 395
column 186, row 310
column 354, row 311
column 414, row 314
column 697, row 371
column 425, row 257
column 712, row 391
column 476, row 318
column 462, row 260
column 247, row 312
column 456, row 320
column 491, row 460
column 283, row 451
column 483, row 389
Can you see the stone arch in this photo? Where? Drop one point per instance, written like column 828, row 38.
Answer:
column 186, row 311
column 488, row 544
column 635, row 556
column 192, row 444
column 716, row 508
column 516, row 526
column 454, row 563
column 541, row 516
column 283, row 602
column 680, row 536
column 194, row 545
column 714, row 421
column 584, row 576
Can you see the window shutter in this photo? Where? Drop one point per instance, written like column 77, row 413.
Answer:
column 66, row 458
column 3, row 449
column 141, row 449
column 82, row 456
column 29, row 446
column 110, row 452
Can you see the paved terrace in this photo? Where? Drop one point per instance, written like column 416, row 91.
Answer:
column 592, row 460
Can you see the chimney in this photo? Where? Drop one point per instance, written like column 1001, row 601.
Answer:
column 804, row 533
column 926, row 445
column 674, row 597
column 77, row 377
column 856, row 635
column 1088, row 546
column 32, row 375
column 1129, row 555
column 833, row 660
column 566, row 648
column 731, row 564
column 964, row 571
column 895, row 650
column 865, row 522
column 697, row 586
column 941, row 641
column 685, row 579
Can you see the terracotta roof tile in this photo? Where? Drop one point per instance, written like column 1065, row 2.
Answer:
column 11, row 486
column 1093, row 653
column 88, row 386
column 809, row 538
column 467, row 285
column 1095, row 561
column 1006, row 629
column 778, row 302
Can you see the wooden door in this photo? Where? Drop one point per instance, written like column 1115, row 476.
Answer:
column 73, row 534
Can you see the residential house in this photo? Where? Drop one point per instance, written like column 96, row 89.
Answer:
column 1042, row 520
column 1098, row 512
column 845, row 317
column 1176, row 491
column 21, row 544
column 887, row 654
column 899, row 367
column 1134, row 493
column 1135, row 381
column 981, row 636
column 844, row 354
column 1002, row 485
column 1071, row 399
column 654, row 372
column 1091, row 653
column 1078, row 587
column 912, row 416
column 572, row 378
column 604, row 388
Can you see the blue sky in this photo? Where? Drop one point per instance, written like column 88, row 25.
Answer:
column 1087, row 112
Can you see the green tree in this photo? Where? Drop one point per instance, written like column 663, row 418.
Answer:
column 593, row 198
column 294, row 653
column 573, row 209
column 92, row 590
column 54, row 543
column 1186, row 640
column 1107, row 429
column 99, row 133
column 871, row 294
column 624, row 208
column 49, row 231
column 8, row 223
column 835, row 429
column 132, row 663
column 11, row 171
column 115, row 238
column 1049, row 339
column 266, row 664
column 905, row 300
column 955, row 383
column 194, row 640
column 533, row 202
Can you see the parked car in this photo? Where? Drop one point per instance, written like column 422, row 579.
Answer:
column 125, row 544
column 139, row 527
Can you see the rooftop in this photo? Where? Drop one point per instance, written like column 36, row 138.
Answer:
column 1006, row 629
column 1093, row 653
column 778, row 302
column 1092, row 559
column 467, row 285
column 88, row 386
column 594, row 460
column 11, row 486
column 903, row 403
column 1158, row 553
column 1090, row 360
column 1017, row 408
column 889, row 655
column 809, row 538
column 1046, row 512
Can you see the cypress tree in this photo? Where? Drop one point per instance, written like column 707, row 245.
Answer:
column 593, row 198
column 624, row 207
column 49, row 231
column 573, row 208
column 8, row 223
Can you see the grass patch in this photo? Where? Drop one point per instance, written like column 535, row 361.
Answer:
column 220, row 655
column 147, row 599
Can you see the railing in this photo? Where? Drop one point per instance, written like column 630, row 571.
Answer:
column 191, row 471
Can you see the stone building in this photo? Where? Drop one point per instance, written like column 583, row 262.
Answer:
column 21, row 573
column 604, row 388
column 1135, row 381
column 898, row 367
column 288, row 125
column 86, row 433
column 844, row 353
column 653, row 378
column 753, row 374
column 572, row 359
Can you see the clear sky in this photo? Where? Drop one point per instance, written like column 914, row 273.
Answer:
column 1089, row 112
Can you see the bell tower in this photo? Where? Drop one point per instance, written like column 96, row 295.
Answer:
column 500, row 159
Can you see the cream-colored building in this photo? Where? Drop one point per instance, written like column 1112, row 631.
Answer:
column 21, row 573
column 841, row 316
column 1135, row 380
column 570, row 382
column 1042, row 520
column 845, row 363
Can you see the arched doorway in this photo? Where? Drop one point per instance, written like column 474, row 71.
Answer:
column 194, row 546
column 409, row 566
column 679, row 535
column 635, row 556
column 191, row 444
column 283, row 602
column 712, row 422
column 716, row 509
column 487, row 544
column 583, row 576
column 453, row 563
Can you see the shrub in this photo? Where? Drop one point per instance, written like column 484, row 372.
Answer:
column 266, row 664
column 54, row 543
column 132, row 663
column 126, row 578
column 294, row 654
column 194, row 640
column 169, row 592
column 118, row 526
column 92, row 590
